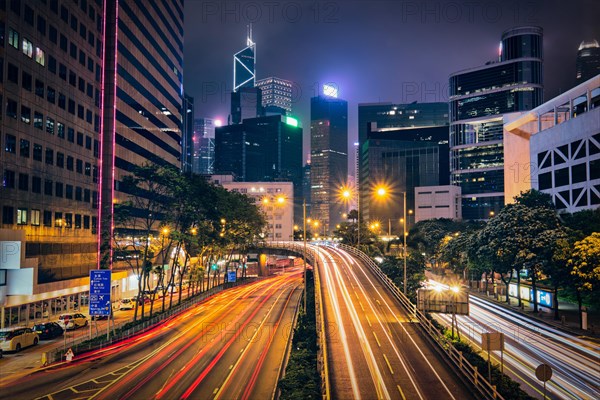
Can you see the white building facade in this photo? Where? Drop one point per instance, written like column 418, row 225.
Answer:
column 276, row 199
column 438, row 202
column 555, row 148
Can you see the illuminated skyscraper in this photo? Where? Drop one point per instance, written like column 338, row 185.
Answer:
column 588, row 60
column 203, row 156
column 479, row 97
column 92, row 89
column 328, row 157
column 187, row 136
column 276, row 95
column 142, row 97
column 244, row 63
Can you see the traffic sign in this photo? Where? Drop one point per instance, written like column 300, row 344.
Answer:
column 231, row 275
column 543, row 372
column 100, row 292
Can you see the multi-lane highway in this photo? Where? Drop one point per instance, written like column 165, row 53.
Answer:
column 229, row 347
column 575, row 361
column 373, row 350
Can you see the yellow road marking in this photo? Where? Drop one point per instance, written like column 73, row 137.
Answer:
column 388, row 363
column 377, row 339
column 401, row 392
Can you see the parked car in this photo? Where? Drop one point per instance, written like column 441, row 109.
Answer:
column 126, row 304
column 72, row 321
column 17, row 338
column 48, row 330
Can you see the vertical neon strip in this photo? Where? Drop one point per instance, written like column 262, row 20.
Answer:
column 114, row 133
column 101, row 134
column 102, row 144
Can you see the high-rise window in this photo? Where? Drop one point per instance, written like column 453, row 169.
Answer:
column 35, row 217
column 8, row 215
column 21, row 216
column 47, row 218
column 37, row 152
column 13, row 38
column 40, row 56
column 27, row 48
column 23, row 182
column 9, row 179
column 10, row 143
column 38, row 120
column 24, row 148
column 26, row 114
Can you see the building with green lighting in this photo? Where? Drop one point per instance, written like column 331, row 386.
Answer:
column 263, row 149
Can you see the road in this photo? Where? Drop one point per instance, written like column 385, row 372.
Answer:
column 230, row 346
column 373, row 349
column 575, row 361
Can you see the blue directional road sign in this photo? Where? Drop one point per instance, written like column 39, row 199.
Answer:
column 100, row 292
column 231, row 276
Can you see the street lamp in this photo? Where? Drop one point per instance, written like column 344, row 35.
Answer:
column 382, row 192
column 346, row 194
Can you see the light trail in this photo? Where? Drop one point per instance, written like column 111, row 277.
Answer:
column 575, row 361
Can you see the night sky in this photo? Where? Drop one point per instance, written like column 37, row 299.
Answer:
column 393, row 51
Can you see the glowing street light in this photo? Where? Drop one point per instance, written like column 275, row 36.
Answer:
column 382, row 191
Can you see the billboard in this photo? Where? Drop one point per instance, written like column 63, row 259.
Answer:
column 444, row 302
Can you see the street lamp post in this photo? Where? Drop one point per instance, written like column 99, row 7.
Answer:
column 404, row 234
column 382, row 192
column 304, row 237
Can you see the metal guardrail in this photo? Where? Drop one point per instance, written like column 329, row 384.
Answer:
column 84, row 344
column 467, row 370
column 322, row 364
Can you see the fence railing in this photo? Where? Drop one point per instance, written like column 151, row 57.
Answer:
column 117, row 333
column 468, row 371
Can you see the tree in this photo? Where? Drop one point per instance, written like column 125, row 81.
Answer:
column 584, row 222
column 137, row 220
column 427, row 236
column 393, row 267
column 585, row 264
column 558, row 270
column 522, row 235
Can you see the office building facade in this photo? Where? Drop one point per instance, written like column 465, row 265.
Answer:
column 265, row 149
column 143, row 84
column 433, row 202
column 400, row 161
column 588, row 61
column 50, row 138
column 63, row 70
column 275, row 200
column 244, row 64
column 276, row 95
column 396, row 123
column 187, row 134
column 329, row 158
column 479, row 97
column 203, row 154
column 556, row 149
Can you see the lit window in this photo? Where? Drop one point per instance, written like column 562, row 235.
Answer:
column 13, row 38
column 21, row 216
column 40, row 56
column 35, row 217
column 27, row 48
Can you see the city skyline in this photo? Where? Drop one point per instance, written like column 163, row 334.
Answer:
column 321, row 44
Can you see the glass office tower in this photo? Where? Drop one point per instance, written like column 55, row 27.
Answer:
column 329, row 158
column 479, row 97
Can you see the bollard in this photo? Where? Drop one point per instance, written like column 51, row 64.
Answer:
column 44, row 359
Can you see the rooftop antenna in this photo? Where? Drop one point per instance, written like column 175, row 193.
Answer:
column 249, row 41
